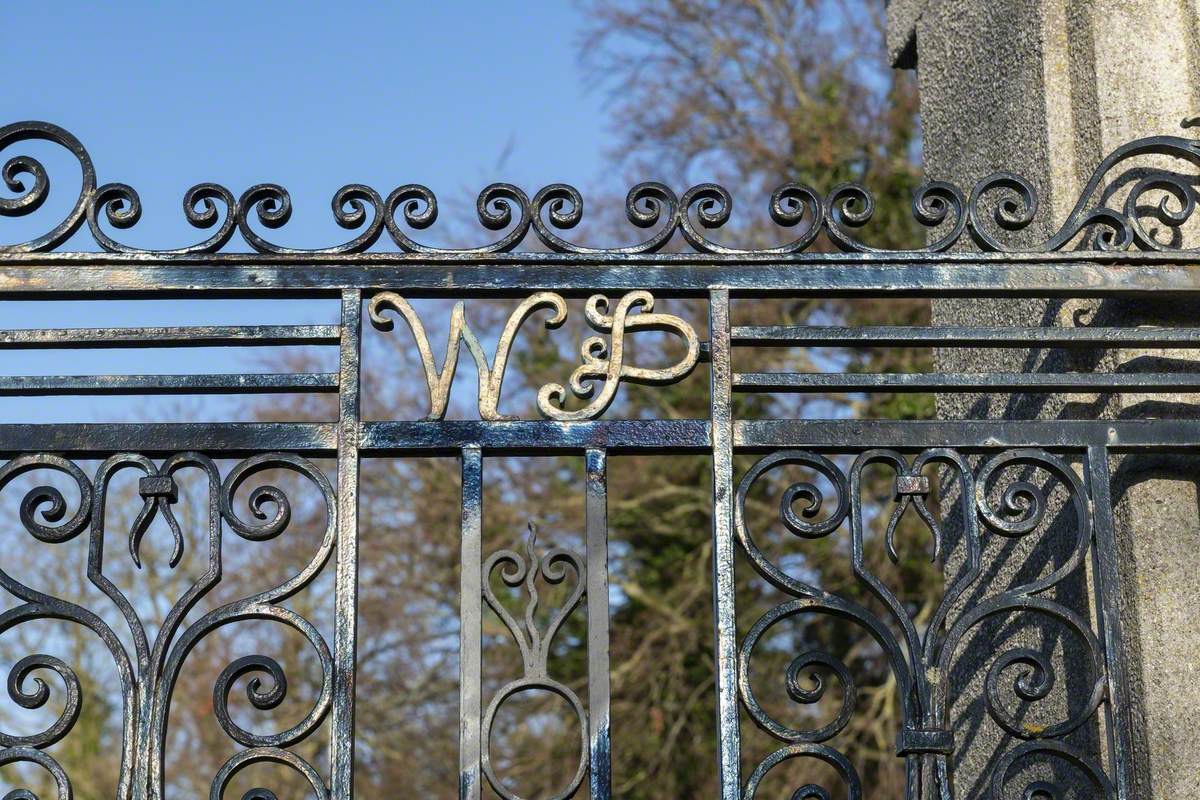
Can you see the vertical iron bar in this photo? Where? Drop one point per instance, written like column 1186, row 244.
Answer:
column 470, row 654
column 600, row 775
column 1108, row 594
column 721, row 417
column 341, row 748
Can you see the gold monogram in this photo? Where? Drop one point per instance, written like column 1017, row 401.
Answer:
column 599, row 364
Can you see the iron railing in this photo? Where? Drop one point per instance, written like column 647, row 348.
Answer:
column 1005, row 479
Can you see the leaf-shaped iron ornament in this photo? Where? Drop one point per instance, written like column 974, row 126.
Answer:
column 159, row 493
column 553, row 567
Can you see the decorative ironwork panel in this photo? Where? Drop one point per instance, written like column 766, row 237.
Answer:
column 996, row 498
column 147, row 672
column 1017, row 516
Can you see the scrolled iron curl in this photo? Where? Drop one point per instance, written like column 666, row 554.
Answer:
column 34, row 195
column 813, row 498
column 801, row 524
column 1043, row 790
column 1175, row 189
column 1028, row 502
column 32, row 199
column 263, row 700
column 259, row 755
column 48, row 499
column 934, row 202
column 122, row 209
column 494, row 205
column 37, row 698
column 847, row 207
column 712, row 205
column 271, row 697
column 261, row 497
column 420, row 211
column 1023, row 504
column 512, row 567
column 809, row 599
column 1015, row 210
column 121, row 205
column 808, row 661
column 646, row 204
column 54, row 510
column 564, row 205
column 1036, row 681
column 28, row 755
column 1031, row 684
column 820, row 752
column 1117, row 229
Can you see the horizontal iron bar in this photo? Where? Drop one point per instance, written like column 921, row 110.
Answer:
column 319, row 439
column 528, row 436
column 848, row 436
column 43, row 385
column 198, row 336
column 933, row 275
column 965, row 382
column 1132, row 256
column 164, row 438
column 957, row 336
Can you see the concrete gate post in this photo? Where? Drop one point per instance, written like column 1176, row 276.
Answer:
column 1047, row 88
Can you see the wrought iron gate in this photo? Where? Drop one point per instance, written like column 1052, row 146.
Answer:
column 1003, row 476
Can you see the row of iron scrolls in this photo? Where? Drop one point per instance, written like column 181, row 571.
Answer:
column 943, row 208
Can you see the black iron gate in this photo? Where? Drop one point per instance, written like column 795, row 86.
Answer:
column 989, row 465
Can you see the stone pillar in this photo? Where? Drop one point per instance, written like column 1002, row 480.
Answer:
column 1046, row 88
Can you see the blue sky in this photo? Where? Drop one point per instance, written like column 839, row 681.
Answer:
column 310, row 95
column 313, row 95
